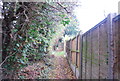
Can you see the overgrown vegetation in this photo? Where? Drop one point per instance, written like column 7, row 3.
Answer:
column 27, row 30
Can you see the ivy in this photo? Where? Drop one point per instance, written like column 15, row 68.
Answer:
column 29, row 29
column 65, row 21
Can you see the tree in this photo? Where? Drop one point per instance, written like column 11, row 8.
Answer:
column 71, row 31
column 27, row 29
column 73, row 28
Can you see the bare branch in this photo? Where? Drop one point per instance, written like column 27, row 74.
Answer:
column 55, row 8
column 6, row 59
column 63, row 7
column 27, row 19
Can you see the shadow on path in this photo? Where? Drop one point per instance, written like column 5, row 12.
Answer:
column 57, row 68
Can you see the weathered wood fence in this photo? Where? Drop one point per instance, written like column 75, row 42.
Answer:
column 96, row 53
column 0, row 48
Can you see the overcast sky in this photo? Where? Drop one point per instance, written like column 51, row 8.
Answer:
column 92, row 12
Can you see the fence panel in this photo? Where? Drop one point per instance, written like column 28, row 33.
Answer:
column 103, row 50
column 96, row 51
column 95, row 55
column 74, row 51
column 116, row 43
column 88, row 57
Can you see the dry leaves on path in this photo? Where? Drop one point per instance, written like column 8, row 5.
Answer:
column 62, row 69
column 58, row 69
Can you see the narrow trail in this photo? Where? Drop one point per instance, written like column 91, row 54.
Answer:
column 62, row 69
column 59, row 69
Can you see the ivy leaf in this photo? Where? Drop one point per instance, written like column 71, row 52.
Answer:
column 14, row 30
column 66, row 21
column 17, row 45
column 19, row 36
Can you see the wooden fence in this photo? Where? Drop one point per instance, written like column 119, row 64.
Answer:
column 96, row 53
column 0, row 48
column 116, row 48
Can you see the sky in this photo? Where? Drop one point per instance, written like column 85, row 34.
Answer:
column 92, row 12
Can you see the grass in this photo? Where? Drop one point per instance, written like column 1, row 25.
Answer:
column 58, row 53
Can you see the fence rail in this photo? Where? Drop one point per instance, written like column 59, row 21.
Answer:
column 96, row 53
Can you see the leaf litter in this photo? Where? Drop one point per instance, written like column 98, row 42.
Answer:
column 52, row 67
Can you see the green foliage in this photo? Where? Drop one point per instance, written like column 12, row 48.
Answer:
column 72, row 29
column 66, row 21
column 31, row 31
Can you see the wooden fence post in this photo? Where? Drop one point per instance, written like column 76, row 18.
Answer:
column 99, row 48
column 91, row 54
column 86, row 57
column 76, row 49
column 0, row 48
column 81, row 49
column 76, row 54
column 116, row 46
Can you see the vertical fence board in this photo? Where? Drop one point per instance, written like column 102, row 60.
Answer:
column 88, row 57
column 73, row 51
column 91, row 37
column 103, row 51
column 83, row 58
column 95, row 60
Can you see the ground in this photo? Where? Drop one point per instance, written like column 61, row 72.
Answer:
column 56, row 67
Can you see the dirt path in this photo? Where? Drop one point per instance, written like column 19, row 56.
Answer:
column 58, row 70
column 62, row 69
